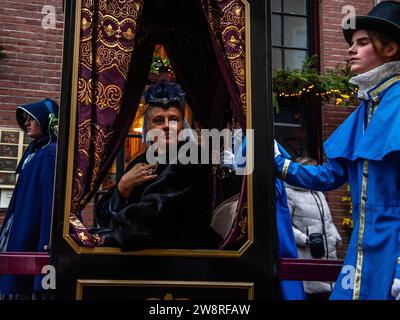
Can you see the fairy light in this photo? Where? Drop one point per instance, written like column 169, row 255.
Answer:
column 340, row 97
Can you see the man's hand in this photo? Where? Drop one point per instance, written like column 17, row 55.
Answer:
column 139, row 174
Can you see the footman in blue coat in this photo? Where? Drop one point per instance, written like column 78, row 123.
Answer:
column 365, row 152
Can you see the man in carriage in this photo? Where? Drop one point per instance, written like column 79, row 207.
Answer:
column 166, row 204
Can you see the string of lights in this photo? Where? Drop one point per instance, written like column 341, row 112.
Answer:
column 339, row 96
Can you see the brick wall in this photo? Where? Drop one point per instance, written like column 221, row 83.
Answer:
column 32, row 68
column 333, row 50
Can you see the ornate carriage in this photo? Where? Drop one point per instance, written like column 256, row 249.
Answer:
column 220, row 51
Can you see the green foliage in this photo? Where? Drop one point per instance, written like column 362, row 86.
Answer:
column 53, row 123
column 159, row 62
column 333, row 84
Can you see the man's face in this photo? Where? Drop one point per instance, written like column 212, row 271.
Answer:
column 362, row 54
column 170, row 121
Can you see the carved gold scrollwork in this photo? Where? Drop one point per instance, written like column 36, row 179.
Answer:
column 85, row 55
column 228, row 22
column 84, row 137
column 117, row 34
column 87, row 3
column 234, row 39
column 86, row 25
column 237, row 66
column 106, row 96
column 128, row 34
column 121, row 8
column 85, row 91
column 233, row 34
column 233, row 13
column 109, row 30
column 238, row 10
column 108, row 58
column 91, row 136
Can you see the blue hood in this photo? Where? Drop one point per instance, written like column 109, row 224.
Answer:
column 40, row 111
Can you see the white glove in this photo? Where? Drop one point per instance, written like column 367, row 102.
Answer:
column 276, row 149
column 228, row 160
column 396, row 289
column 237, row 139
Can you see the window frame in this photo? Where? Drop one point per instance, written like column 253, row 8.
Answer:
column 282, row 14
column 313, row 39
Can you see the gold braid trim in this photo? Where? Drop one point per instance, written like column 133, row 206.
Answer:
column 285, row 169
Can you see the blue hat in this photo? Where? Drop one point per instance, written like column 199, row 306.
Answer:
column 42, row 111
column 165, row 94
column 384, row 18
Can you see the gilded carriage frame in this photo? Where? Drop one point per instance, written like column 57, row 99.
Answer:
column 70, row 160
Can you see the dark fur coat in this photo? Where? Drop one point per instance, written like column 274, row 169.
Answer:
column 172, row 211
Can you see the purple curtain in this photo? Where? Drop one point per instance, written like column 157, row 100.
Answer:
column 226, row 22
column 193, row 60
column 105, row 104
column 227, row 27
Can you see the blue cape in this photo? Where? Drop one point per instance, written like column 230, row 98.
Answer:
column 31, row 207
column 382, row 135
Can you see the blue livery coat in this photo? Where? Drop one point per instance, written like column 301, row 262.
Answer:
column 290, row 290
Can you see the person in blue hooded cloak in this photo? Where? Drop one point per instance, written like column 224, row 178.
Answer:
column 26, row 226
column 365, row 152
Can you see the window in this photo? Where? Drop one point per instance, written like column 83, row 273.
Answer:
column 290, row 43
column 297, row 125
column 13, row 143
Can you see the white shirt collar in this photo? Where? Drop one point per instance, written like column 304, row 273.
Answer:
column 366, row 81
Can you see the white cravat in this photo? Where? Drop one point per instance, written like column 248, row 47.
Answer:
column 366, row 81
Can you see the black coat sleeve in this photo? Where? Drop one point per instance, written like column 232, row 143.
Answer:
column 112, row 202
column 174, row 211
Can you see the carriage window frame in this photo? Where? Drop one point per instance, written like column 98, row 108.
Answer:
column 215, row 253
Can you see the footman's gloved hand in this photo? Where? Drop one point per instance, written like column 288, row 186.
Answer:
column 396, row 282
column 228, row 160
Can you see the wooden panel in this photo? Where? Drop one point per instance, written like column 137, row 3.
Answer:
column 23, row 263
column 309, row 270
